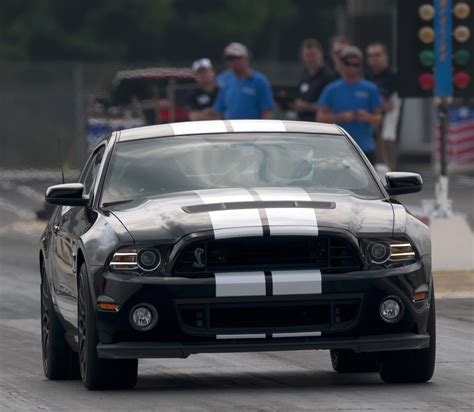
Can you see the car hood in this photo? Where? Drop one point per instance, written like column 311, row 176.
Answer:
column 239, row 212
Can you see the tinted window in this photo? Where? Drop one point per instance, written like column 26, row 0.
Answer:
column 92, row 170
column 151, row 167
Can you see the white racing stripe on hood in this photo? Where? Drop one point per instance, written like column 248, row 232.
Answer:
column 257, row 126
column 289, row 221
column 230, row 284
column 203, row 127
column 211, row 196
column 296, row 282
column 292, row 221
column 232, row 223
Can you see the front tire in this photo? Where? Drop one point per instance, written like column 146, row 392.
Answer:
column 412, row 365
column 97, row 373
column 60, row 362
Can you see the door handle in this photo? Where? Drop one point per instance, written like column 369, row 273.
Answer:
column 56, row 229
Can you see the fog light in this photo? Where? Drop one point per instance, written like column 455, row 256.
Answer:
column 391, row 310
column 143, row 317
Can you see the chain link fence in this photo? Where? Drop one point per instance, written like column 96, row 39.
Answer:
column 44, row 103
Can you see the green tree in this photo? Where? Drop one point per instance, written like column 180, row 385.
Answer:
column 176, row 31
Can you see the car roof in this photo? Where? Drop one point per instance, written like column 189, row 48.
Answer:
column 226, row 126
column 155, row 73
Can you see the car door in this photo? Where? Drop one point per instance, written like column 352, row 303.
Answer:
column 71, row 222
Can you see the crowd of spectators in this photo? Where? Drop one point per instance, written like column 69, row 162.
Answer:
column 356, row 93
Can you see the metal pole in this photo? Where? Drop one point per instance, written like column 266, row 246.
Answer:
column 443, row 206
column 443, row 72
column 443, row 124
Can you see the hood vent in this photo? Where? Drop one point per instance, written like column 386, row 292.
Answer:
column 212, row 207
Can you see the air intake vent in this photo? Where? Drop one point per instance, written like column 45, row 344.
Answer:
column 331, row 254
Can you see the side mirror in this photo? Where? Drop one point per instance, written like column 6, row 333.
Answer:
column 68, row 194
column 400, row 183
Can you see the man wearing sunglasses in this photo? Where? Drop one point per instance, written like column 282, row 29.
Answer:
column 246, row 93
column 352, row 102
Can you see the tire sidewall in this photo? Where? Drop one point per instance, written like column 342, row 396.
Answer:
column 91, row 360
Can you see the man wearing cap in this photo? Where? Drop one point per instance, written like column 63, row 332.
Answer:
column 201, row 100
column 352, row 102
column 336, row 45
column 246, row 93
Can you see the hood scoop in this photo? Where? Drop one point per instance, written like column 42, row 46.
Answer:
column 212, row 207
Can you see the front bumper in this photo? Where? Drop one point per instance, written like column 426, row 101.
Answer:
column 172, row 337
column 400, row 341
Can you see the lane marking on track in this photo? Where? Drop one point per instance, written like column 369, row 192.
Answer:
column 29, row 228
column 31, row 193
column 28, row 325
column 37, row 174
column 24, row 213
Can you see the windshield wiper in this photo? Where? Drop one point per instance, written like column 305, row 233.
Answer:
column 117, row 202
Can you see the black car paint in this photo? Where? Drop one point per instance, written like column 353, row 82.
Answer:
column 91, row 235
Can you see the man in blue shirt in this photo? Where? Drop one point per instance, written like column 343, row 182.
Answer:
column 246, row 93
column 352, row 102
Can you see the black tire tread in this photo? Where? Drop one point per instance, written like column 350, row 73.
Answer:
column 412, row 366
column 62, row 362
column 103, row 373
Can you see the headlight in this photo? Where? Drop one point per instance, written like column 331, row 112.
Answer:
column 388, row 252
column 149, row 259
column 138, row 260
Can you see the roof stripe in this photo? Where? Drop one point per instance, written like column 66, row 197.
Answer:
column 226, row 126
column 258, row 126
column 209, row 126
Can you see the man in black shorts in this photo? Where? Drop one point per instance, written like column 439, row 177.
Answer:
column 315, row 77
column 201, row 100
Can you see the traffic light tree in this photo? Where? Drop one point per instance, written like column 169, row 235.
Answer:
column 416, row 48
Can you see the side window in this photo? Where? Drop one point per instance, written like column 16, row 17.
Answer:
column 92, row 170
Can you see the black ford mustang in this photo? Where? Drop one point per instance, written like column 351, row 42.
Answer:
column 232, row 236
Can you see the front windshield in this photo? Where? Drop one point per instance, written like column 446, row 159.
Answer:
column 316, row 162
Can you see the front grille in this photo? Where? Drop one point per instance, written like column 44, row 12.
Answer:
column 269, row 316
column 329, row 253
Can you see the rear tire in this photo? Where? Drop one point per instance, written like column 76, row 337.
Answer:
column 347, row 361
column 412, row 365
column 97, row 373
column 60, row 362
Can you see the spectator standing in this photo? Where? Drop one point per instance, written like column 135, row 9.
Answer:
column 315, row 77
column 352, row 102
column 336, row 45
column 380, row 73
column 222, row 77
column 246, row 93
column 202, row 99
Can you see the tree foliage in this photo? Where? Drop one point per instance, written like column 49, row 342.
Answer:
column 158, row 30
